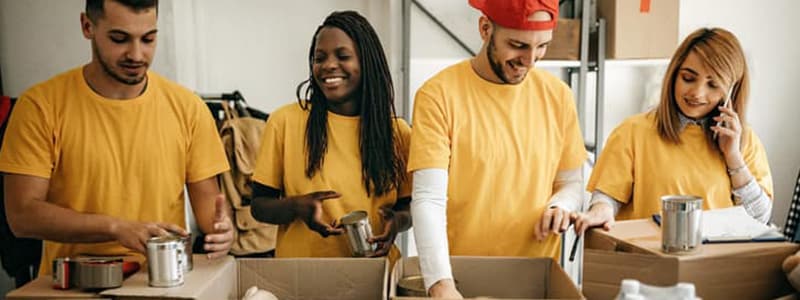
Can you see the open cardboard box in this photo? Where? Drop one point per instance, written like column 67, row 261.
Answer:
column 498, row 277
column 632, row 250
column 226, row 278
column 316, row 278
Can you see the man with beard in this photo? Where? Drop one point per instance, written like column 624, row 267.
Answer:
column 95, row 159
column 496, row 148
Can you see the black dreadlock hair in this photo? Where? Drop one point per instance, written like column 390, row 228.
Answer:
column 382, row 165
column 95, row 11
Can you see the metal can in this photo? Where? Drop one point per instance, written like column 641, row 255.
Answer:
column 356, row 225
column 97, row 272
column 61, row 269
column 681, row 223
column 165, row 267
column 412, row 286
column 186, row 253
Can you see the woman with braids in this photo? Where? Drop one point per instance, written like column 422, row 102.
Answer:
column 694, row 143
column 340, row 149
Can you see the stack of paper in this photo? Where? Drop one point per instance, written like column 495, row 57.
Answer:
column 733, row 224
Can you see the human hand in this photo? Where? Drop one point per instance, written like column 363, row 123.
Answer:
column 729, row 135
column 554, row 220
column 219, row 241
column 134, row 235
column 600, row 214
column 445, row 288
column 391, row 227
column 308, row 208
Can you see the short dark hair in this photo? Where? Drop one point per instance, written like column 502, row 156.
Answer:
column 94, row 8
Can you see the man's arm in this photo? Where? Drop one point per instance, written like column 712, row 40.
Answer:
column 212, row 213
column 429, row 209
column 31, row 216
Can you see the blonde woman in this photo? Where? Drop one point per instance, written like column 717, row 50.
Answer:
column 694, row 143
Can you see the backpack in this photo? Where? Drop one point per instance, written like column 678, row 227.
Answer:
column 241, row 137
column 20, row 256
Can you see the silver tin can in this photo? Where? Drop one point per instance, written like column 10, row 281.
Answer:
column 356, row 225
column 681, row 223
column 165, row 267
column 97, row 272
column 186, row 253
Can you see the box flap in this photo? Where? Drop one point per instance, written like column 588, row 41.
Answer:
column 508, row 277
column 612, row 267
column 719, row 271
column 644, row 236
column 499, row 277
column 751, row 275
column 210, row 279
column 561, row 286
column 316, row 278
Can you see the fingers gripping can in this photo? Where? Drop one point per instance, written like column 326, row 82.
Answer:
column 164, row 261
column 356, row 224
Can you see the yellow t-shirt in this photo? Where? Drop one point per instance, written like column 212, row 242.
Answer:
column 128, row 159
column 637, row 167
column 502, row 145
column 282, row 162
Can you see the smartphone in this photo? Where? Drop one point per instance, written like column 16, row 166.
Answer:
column 725, row 103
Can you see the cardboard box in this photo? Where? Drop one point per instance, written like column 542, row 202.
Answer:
column 638, row 29
column 498, row 277
column 210, row 279
column 632, row 250
column 566, row 43
column 316, row 278
column 41, row 288
column 288, row 279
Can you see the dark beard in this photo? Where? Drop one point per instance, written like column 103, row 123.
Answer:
column 497, row 67
column 117, row 77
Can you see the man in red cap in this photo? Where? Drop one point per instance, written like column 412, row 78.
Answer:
column 496, row 148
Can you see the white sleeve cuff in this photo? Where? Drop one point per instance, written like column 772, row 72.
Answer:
column 600, row 197
column 754, row 200
column 568, row 190
column 429, row 212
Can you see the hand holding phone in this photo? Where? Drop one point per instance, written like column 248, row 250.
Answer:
column 725, row 103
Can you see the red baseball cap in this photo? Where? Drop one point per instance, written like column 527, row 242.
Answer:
column 514, row 13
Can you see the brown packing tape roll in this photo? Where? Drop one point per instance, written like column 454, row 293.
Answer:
column 411, row 286
column 97, row 273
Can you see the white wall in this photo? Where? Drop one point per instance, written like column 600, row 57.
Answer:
column 257, row 47
column 32, row 35
column 42, row 38
column 768, row 33
column 254, row 46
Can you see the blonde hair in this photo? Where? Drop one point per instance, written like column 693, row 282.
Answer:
column 720, row 52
